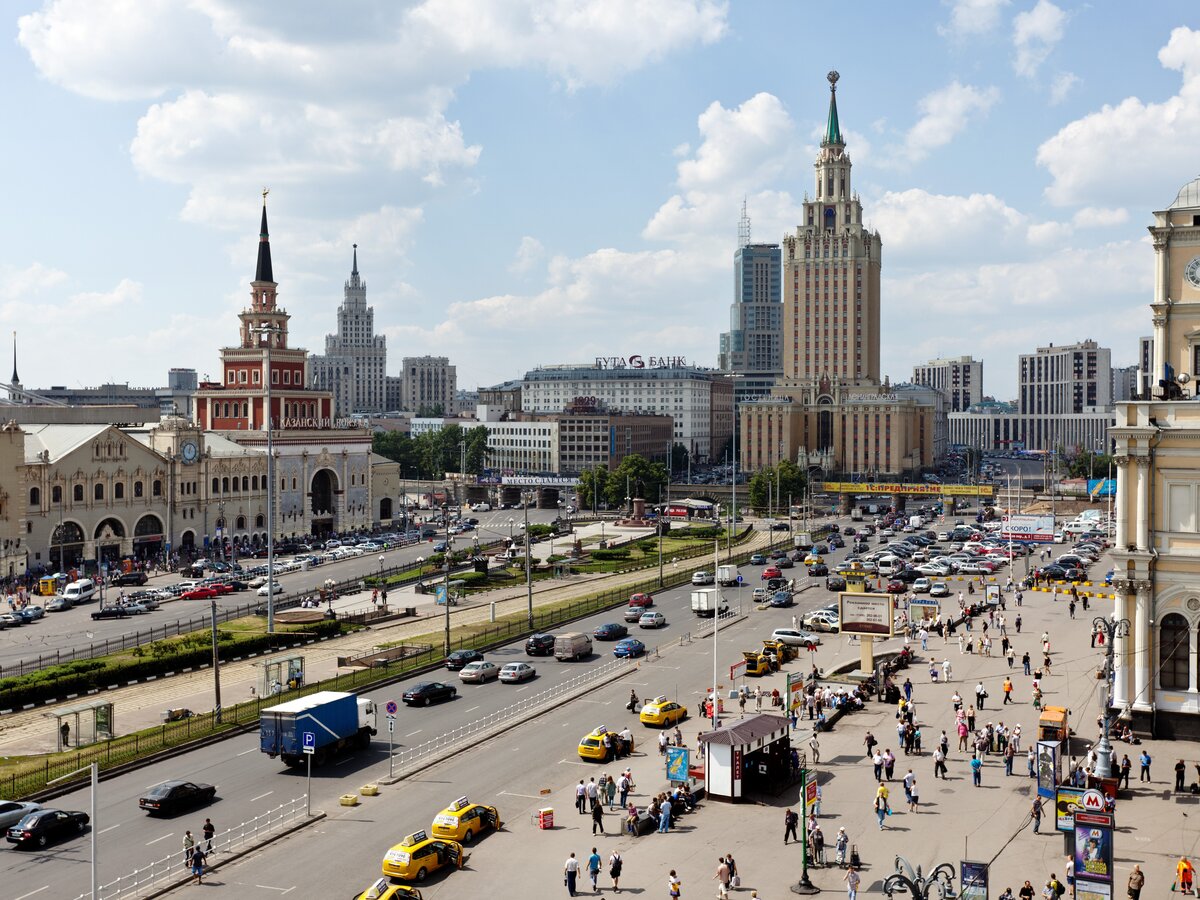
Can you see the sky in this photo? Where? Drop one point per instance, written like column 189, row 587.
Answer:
column 532, row 183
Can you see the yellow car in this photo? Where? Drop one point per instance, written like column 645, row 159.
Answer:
column 664, row 712
column 385, row 890
column 462, row 820
column 418, row 854
column 813, row 558
column 592, row 746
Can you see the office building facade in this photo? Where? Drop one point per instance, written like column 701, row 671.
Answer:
column 428, row 383
column 959, row 380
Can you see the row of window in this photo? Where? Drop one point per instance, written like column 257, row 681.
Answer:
column 238, row 376
column 98, row 492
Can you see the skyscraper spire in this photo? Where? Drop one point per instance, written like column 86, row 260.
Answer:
column 263, row 271
column 833, row 133
column 744, row 227
column 354, row 269
column 16, row 379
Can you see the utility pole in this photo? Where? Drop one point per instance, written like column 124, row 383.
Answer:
column 216, row 664
column 528, row 550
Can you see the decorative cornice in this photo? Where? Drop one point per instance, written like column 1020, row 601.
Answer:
column 1143, row 586
column 1143, row 462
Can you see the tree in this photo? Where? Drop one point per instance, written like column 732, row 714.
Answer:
column 787, row 476
column 1087, row 464
column 593, row 487
column 399, row 448
column 477, row 449
column 427, row 411
column 636, row 476
column 679, row 460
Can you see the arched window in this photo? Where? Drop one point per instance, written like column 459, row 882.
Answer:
column 35, row 497
column 254, row 482
column 56, row 494
column 236, row 484
column 157, row 489
column 137, row 489
column 240, row 523
column 216, row 488
column 1175, row 652
column 258, row 521
column 225, row 485
column 77, row 493
column 119, row 490
column 98, row 492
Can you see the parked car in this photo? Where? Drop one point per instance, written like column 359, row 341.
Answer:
column 796, row 637
column 939, row 589
column 171, row 796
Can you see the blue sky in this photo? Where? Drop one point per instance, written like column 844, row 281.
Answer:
column 542, row 182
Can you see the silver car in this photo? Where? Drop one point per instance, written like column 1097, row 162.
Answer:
column 479, row 671
column 13, row 811
column 58, row 604
column 517, row 671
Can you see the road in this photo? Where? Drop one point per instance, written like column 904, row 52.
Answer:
column 74, row 628
column 250, row 783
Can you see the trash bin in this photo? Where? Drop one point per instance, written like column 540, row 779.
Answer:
column 545, row 818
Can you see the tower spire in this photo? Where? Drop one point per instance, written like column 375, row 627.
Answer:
column 833, row 133
column 263, row 271
column 744, row 227
column 354, row 269
column 15, row 378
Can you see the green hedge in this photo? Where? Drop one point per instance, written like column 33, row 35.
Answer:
column 57, row 682
column 614, row 553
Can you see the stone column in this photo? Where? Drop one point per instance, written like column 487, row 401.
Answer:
column 1142, row 647
column 1143, row 502
column 1121, row 646
column 1121, row 509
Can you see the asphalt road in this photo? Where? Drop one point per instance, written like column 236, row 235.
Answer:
column 250, row 783
column 74, row 628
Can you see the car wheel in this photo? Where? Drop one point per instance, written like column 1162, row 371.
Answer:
column 42, row 840
column 421, row 873
column 468, row 837
column 79, row 826
column 425, row 701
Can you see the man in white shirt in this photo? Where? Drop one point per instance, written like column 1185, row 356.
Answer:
column 570, row 873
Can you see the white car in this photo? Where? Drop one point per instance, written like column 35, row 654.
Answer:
column 370, row 547
column 652, row 619
column 921, row 586
column 703, row 577
column 822, row 620
column 262, row 591
column 479, row 671
column 481, row 507
column 13, row 811
column 517, row 671
column 796, row 637
column 939, row 589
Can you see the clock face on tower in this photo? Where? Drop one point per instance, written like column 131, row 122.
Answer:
column 1192, row 272
column 189, row 451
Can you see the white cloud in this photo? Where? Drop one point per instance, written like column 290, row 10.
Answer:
column 32, row 279
column 1035, row 34
column 1061, row 86
column 945, row 113
column 918, row 225
column 1092, row 160
column 529, row 254
column 972, row 17
column 1098, row 217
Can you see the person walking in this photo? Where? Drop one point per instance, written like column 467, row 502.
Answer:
column 852, row 882
column 1007, row 687
column 593, row 867
column 939, row 764
column 1136, row 882
column 877, row 765
column 870, row 743
column 1183, row 874
column 840, row 846
column 889, row 763
column 1145, row 761
column 946, row 669
column 208, row 831
column 623, row 788
column 189, row 844
column 1025, row 662
column 980, row 695
column 1126, row 766
column 881, row 804
column 581, row 797
column 790, row 820
column 610, row 791
column 721, row 877
column 673, row 884
column 593, row 793
column 197, row 863
column 598, row 818
column 570, row 874
column 913, row 795
column 976, row 771
column 1036, row 814
column 614, row 870
column 1180, row 774
column 734, row 878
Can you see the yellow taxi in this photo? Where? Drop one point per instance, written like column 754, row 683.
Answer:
column 592, row 746
column 462, row 820
column 813, row 559
column 385, row 890
column 664, row 712
column 418, row 854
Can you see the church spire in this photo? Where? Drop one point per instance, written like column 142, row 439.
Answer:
column 833, row 133
column 15, row 378
column 263, row 272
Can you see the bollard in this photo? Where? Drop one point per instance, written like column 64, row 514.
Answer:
column 493, row 612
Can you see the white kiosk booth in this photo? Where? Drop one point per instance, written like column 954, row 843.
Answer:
column 745, row 755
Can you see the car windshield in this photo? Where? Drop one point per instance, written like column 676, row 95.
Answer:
column 161, row 790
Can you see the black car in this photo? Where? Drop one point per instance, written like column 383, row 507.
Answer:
column 138, row 578
column 46, row 825
column 237, row 585
column 776, row 584
column 540, row 645
column 782, row 598
column 110, row 612
column 785, row 562
column 171, row 796
column 818, row 569
column 460, row 658
column 908, row 575
column 781, row 526
column 425, row 692
column 610, row 632
column 835, row 583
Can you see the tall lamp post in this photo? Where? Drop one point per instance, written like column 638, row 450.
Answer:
column 382, row 585
column 1111, row 629
column 268, row 421
column 448, row 561
column 94, row 769
column 660, row 561
column 937, row 884
column 528, row 570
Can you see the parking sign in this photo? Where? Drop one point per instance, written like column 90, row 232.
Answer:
column 309, row 739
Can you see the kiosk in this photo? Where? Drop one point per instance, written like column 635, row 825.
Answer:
column 751, row 754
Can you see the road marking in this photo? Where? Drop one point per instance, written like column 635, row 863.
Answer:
column 44, row 887
column 597, row 702
column 472, row 709
column 268, row 887
column 572, row 762
column 157, row 839
column 527, row 687
column 526, row 796
column 411, row 733
column 109, row 828
column 260, row 796
column 251, row 750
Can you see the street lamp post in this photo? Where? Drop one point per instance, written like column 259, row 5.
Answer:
column 382, row 585
column 449, row 558
column 216, row 665
column 268, row 421
column 660, row 558
column 1112, row 629
column 94, row 769
column 907, row 881
column 528, row 553
column 329, row 595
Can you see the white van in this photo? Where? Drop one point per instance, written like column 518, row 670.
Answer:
column 79, row 591
column 572, row 645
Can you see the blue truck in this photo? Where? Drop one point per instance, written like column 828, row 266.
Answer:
column 337, row 721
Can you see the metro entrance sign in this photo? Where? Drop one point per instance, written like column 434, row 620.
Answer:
column 1037, row 529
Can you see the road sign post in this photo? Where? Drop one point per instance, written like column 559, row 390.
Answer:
column 391, row 717
column 309, row 742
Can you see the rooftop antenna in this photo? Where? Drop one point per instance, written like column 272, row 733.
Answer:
column 744, row 227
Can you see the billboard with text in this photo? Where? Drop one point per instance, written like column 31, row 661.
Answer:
column 1035, row 529
column 866, row 615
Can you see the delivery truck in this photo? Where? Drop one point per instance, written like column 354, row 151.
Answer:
column 706, row 601
column 803, row 541
column 727, row 576
column 337, row 721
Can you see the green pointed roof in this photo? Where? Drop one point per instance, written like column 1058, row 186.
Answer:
column 833, row 133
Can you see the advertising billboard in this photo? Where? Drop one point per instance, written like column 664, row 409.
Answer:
column 1065, row 805
column 923, row 610
column 1035, row 529
column 908, row 490
column 677, row 764
column 866, row 615
column 1049, row 769
column 974, row 877
column 1093, row 848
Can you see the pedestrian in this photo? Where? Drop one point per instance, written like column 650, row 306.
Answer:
column 1126, row 765
column 598, row 818
column 816, row 840
column 852, row 881
column 1026, row 891
column 721, row 877
column 734, row 878
column 673, row 884
column 889, row 763
column 1036, row 814
column 980, row 695
column 570, row 873
column 1030, row 758
column 189, row 844
column 197, row 861
column 840, row 845
column 877, row 764
column 593, row 793
column 1183, row 873
column 913, row 796
column 1136, row 881
column 1025, row 661
column 1055, row 887
column 1145, row 761
column 758, row 698
column 939, row 764
column 1011, row 655
column 209, row 830
column 976, row 771
column 581, row 797
column 664, row 819
column 881, row 804
column 610, row 791
column 623, row 788
column 816, row 805
column 742, row 703
column 790, row 820
column 663, row 741
column 815, row 746
column 614, row 870
column 593, row 867
column 1180, row 774
column 946, row 670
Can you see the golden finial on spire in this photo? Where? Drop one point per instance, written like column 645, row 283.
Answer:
column 265, row 192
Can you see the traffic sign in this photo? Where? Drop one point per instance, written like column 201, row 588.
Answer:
column 741, row 580
column 1091, row 801
column 309, row 739
column 390, row 707
column 391, row 725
